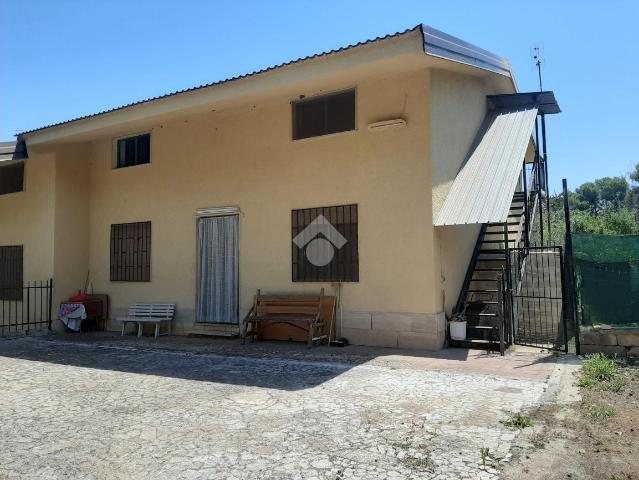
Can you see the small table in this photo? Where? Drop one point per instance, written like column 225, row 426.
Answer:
column 95, row 311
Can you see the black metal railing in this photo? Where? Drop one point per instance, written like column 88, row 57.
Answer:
column 27, row 307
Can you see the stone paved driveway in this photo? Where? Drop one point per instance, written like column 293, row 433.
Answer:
column 95, row 411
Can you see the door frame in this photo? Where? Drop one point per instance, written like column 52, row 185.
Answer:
column 228, row 211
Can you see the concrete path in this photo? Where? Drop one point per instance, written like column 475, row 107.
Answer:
column 111, row 409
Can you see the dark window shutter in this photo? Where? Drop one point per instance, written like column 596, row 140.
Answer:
column 131, row 252
column 344, row 265
column 324, row 115
column 11, row 272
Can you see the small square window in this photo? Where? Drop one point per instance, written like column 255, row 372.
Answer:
column 324, row 115
column 12, row 178
column 133, row 151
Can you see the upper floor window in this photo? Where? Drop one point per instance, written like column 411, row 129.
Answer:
column 133, row 151
column 12, row 178
column 324, row 115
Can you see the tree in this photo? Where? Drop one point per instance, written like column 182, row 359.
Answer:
column 634, row 175
column 612, row 191
column 587, row 196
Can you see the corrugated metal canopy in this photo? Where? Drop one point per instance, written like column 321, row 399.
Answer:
column 482, row 191
column 545, row 101
column 10, row 151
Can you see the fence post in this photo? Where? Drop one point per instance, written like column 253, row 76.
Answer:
column 569, row 271
column 50, row 301
column 501, row 299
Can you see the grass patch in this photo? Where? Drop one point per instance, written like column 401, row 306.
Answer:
column 485, row 455
column 601, row 411
column 601, row 372
column 519, row 420
column 597, row 368
column 538, row 440
column 417, row 463
column 616, row 385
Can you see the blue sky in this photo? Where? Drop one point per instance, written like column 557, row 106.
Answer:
column 61, row 59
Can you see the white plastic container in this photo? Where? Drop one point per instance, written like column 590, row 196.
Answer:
column 457, row 330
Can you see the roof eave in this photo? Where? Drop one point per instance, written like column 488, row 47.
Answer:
column 435, row 43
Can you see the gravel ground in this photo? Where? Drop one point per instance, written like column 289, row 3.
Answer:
column 102, row 411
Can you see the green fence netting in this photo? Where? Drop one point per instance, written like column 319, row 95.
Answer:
column 607, row 271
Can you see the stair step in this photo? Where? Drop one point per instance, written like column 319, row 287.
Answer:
column 488, row 269
column 503, row 259
column 497, row 241
column 486, row 302
column 485, row 279
column 501, row 224
column 481, row 327
column 471, row 343
column 492, row 250
column 473, row 290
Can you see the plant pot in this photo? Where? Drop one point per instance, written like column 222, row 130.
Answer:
column 458, row 330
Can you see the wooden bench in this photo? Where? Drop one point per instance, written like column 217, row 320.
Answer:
column 142, row 313
column 299, row 311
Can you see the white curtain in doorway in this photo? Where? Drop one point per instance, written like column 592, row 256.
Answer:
column 218, row 269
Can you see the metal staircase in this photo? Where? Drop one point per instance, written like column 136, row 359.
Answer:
column 481, row 298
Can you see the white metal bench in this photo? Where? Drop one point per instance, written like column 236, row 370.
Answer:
column 142, row 313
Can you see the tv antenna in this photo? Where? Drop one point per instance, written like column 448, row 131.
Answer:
column 538, row 60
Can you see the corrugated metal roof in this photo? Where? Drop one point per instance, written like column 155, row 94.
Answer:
column 483, row 190
column 435, row 42
column 440, row 44
column 231, row 79
column 12, row 151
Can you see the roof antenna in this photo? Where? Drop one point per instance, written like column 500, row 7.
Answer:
column 538, row 60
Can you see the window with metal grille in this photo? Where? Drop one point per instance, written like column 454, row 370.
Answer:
column 11, row 271
column 131, row 252
column 133, row 151
column 324, row 115
column 325, row 244
column 12, row 178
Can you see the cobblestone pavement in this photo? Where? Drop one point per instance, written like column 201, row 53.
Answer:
column 90, row 411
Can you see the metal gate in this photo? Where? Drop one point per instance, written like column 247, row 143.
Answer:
column 537, row 304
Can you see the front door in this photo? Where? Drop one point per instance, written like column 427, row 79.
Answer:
column 218, row 269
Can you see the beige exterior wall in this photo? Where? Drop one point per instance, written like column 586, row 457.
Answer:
column 458, row 109
column 244, row 156
column 26, row 218
column 71, row 232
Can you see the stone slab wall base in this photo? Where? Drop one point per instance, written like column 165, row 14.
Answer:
column 417, row 331
column 621, row 342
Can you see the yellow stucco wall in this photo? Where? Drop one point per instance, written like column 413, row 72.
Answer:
column 458, row 108
column 26, row 218
column 71, row 232
column 246, row 157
